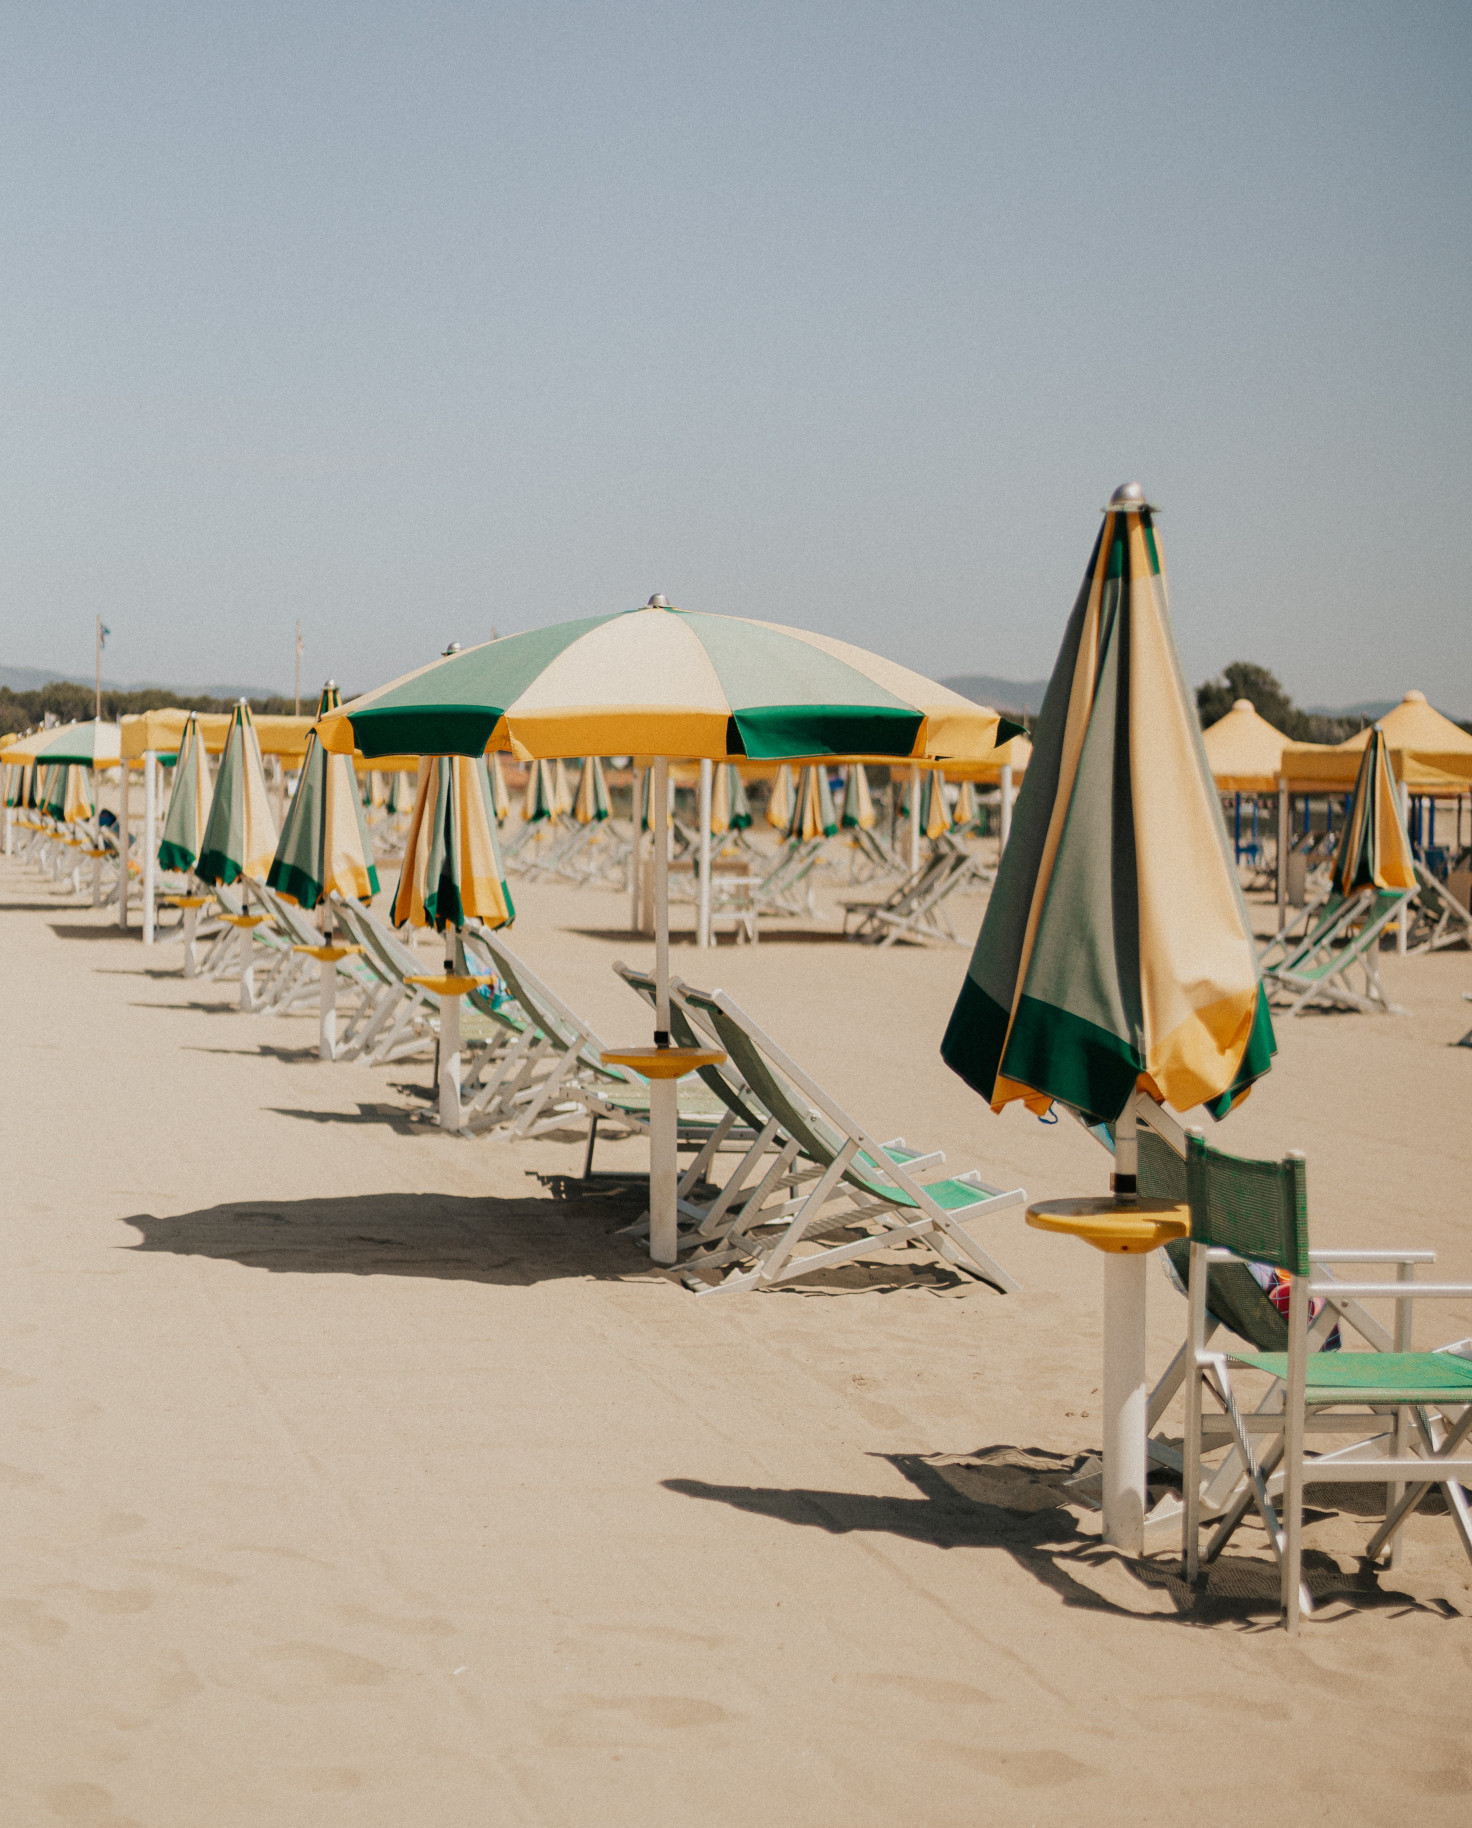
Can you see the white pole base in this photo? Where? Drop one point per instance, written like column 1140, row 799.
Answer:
column 327, row 1010
column 1125, row 1396
column 450, row 1064
column 664, row 1123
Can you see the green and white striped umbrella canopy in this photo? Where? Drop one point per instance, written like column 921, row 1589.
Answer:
column 85, row 745
column 189, row 803
column 1374, row 849
column 66, row 792
column 813, row 812
column 325, row 848
column 240, row 834
column 452, row 859
column 659, row 681
column 1115, row 950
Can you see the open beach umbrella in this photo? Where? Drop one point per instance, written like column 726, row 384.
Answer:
column 591, row 804
column 452, row 859
column 325, row 848
column 87, row 745
column 813, row 812
column 1374, row 851
column 240, row 834
column 663, row 682
column 858, row 802
column 189, row 803
column 1116, row 949
column 729, row 808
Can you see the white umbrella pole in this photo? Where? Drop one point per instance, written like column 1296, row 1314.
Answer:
column 664, row 1094
column 914, row 817
column 635, row 885
column 707, row 773
column 123, row 845
column 450, row 1046
column 150, row 862
column 326, row 1006
column 1125, row 1393
column 1006, row 825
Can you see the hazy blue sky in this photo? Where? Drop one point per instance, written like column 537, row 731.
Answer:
column 414, row 319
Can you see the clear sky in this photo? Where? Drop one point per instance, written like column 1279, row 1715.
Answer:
column 412, row 320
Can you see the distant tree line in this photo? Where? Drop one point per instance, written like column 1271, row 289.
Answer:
column 1244, row 680
column 70, row 703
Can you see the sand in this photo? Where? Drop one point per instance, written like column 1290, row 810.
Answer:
column 348, row 1478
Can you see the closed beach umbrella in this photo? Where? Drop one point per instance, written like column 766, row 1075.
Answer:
column 66, row 795
column 1116, row 948
column 452, row 859
column 240, row 835
column 965, row 813
column 561, row 790
column 592, row 800
column 1374, row 851
column 500, row 798
column 935, row 808
column 813, row 812
column 729, row 808
column 189, row 803
column 541, row 794
column 858, row 802
column 325, row 848
column 779, row 800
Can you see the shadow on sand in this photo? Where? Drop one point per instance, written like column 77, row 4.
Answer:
column 512, row 1242
column 957, row 1509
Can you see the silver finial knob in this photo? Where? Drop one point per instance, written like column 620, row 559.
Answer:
column 657, row 602
column 1129, row 496
column 453, row 648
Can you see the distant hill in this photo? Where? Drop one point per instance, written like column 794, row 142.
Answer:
column 31, row 679
column 1001, row 694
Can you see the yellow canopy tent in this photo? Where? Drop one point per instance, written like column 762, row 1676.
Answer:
column 1419, row 730
column 1329, row 768
column 1245, row 751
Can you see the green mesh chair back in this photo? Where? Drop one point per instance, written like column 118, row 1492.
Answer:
column 1234, row 1297
column 1257, row 1209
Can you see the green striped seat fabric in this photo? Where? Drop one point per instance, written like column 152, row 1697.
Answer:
column 1376, row 1377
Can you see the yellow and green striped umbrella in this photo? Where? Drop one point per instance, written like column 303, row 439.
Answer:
column 500, row 798
column 541, row 794
column 591, row 804
column 1116, row 949
column 66, row 796
column 1374, row 851
column 670, row 682
column 240, row 835
column 325, row 848
column 729, row 807
column 813, row 813
column 935, row 808
column 779, row 800
column 561, row 789
column 452, row 859
column 858, row 802
column 189, row 803
column 965, row 813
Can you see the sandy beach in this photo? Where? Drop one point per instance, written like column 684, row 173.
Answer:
column 350, row 1477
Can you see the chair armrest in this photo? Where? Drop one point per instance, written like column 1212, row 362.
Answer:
column 1393, row 1291
column 1372, row 1256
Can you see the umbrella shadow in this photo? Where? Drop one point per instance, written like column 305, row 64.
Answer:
column 104, row 930
column 1011, row 1500
column 406, row 1121
column 508, row 1242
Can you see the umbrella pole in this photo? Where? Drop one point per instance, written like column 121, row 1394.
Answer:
column 702, row 936
column 664, row 1094
column 450, row 1043
column 1005, row 794
column 123, row 844
column 150, row 778
column 914, row 817
column 1125, row 1394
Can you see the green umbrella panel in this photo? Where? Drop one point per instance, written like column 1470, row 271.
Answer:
column 1116, row 949
column 189, row 803
column 541, row 794
column 240, row 834
column 324, row 848
column 452, row 859
column 1374, row 851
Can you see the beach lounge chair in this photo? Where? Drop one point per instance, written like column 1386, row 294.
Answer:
column 558, row 1080
column 787, row 887
column 915, row 908
column 1419, row 1404
column 1444, row 921
column 1316, row 973
column 862, row 1185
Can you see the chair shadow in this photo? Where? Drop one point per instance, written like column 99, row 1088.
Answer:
column 957, row 1509
column 451, row 1238
column 771, row 935
column 104, row 930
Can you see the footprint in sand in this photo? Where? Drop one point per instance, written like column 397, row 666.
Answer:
column 1023, row 1770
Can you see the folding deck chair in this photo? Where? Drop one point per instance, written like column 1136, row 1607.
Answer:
column 877, row 1192
column 1444, row 921
column 1317, row 970
column 1414, row 1407
column 555, row 1079
column 915, row 908
column 786, row 888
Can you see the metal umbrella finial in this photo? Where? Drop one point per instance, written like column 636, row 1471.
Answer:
column 1129, row 495
column 657, row 602
column 453, row 648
